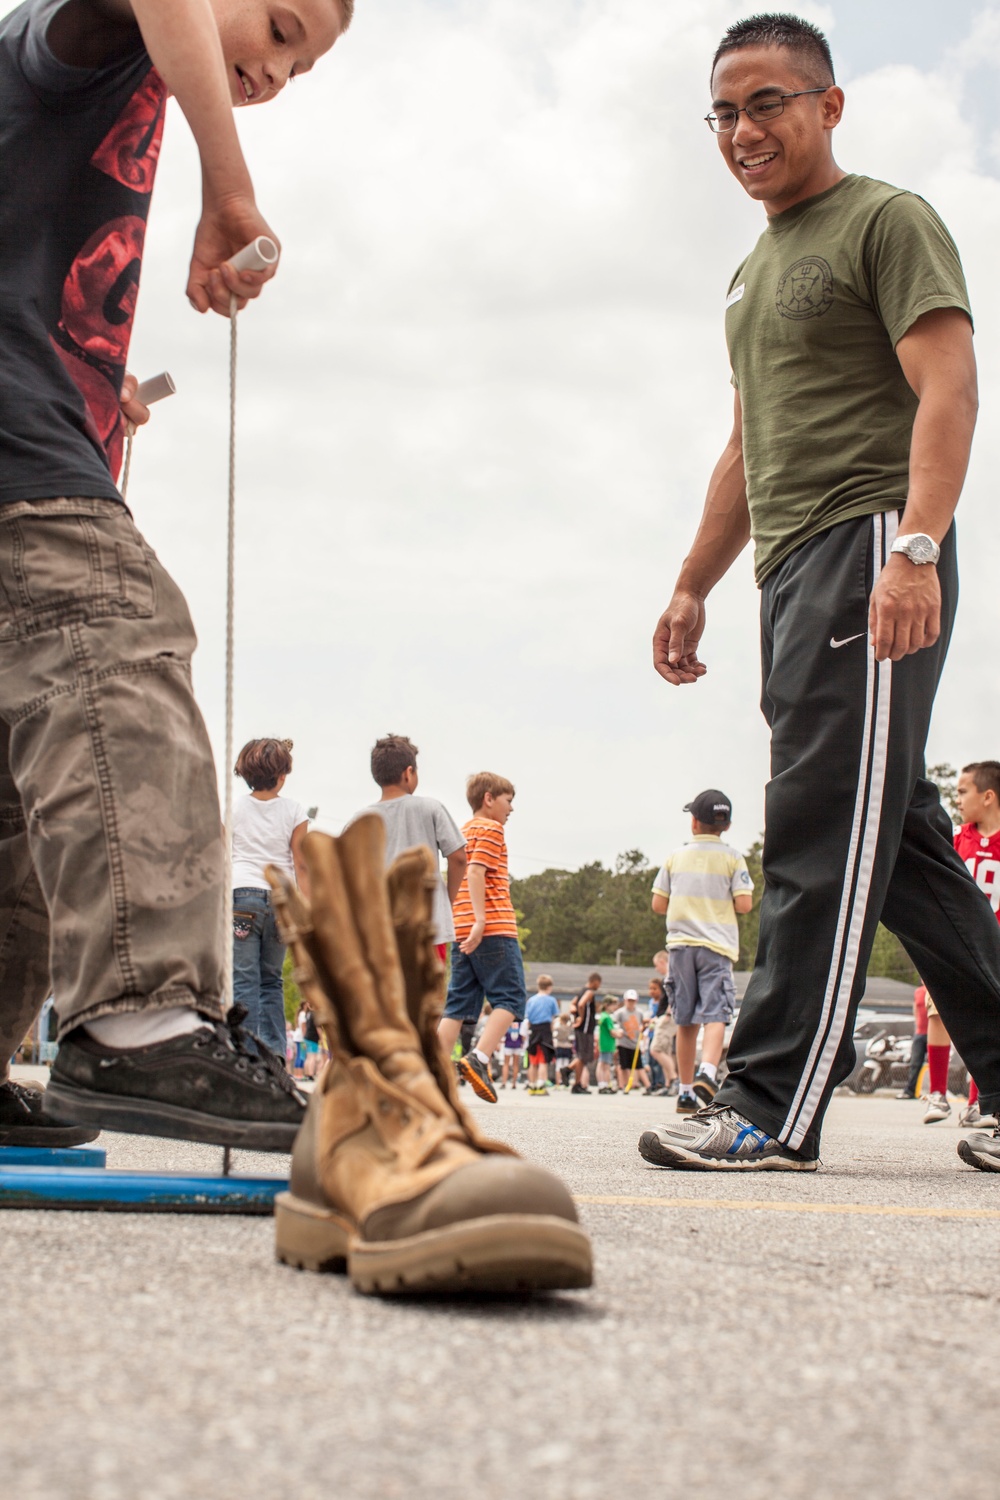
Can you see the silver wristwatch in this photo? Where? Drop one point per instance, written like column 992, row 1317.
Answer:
column 917, row 547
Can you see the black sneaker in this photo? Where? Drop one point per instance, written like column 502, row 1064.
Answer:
column 23, row 1123
column 477, row 1074
column 578, row 1088
column 705, row 1087
column 687, row 1104
column 219, row 1085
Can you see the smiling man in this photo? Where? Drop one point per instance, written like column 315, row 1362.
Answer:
column 850, row 340
column 111, row 863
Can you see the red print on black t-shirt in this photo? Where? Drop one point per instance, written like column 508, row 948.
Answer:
column 130, row 150
column 100, row 290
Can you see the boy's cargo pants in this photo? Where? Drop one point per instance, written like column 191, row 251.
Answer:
column 111, row 853
column 854, row 833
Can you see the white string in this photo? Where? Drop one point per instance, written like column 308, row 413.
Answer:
column 230, row 590
column 129, row 435
column 227, row 908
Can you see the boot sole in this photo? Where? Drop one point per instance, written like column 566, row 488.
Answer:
column 133, row 1116
column 512, row 1253
column 984, row 1163
column 54, row 1136
column 652, row 1149
column 308, row 1237
column 476, row 1083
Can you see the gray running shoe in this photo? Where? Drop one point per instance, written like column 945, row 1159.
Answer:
column 717, row 1138
column 938, row 1108
column 970, row 1119
column 982, row 1150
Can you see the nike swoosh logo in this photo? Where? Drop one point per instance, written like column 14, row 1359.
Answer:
column 846, row 641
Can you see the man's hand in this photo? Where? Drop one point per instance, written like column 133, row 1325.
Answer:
column 475, row 937
column 136, row 414
column 905, row 611
column 676, row 638
column 224, row 229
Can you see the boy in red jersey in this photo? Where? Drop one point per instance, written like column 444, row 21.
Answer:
column 978, row 843
column 111, row 865
column 978, row 839
column 486, row 959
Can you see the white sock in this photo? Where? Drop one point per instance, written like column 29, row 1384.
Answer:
column 688, row 1089
column 711, row 1069
column 141, row 1028
column 483, row 1058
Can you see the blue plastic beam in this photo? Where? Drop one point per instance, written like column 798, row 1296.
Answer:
column 136, row 1192
column 52, row 1156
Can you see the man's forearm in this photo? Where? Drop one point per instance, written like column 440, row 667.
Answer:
column 724, row 529
column 939, row 458
column 182, row 40
column 939, row 363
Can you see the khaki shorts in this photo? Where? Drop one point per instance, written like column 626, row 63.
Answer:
column 932, row 1009
column 664, row 1034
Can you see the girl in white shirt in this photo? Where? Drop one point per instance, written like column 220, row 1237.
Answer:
column 267, row 830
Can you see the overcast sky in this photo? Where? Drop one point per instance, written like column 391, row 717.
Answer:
column 480, row 403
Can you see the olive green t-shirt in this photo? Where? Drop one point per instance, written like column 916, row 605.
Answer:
column 812, row 320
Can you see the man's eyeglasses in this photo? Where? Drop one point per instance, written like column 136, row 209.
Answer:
column 722, row 121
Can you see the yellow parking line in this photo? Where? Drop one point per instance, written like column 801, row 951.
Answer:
column 866, row 1210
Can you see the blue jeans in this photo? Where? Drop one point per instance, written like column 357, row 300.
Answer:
column 258, row 955
column 493, row 972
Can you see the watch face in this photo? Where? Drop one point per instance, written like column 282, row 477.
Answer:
column 920, row 549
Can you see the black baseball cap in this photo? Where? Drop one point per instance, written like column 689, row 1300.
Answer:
column 712, row 806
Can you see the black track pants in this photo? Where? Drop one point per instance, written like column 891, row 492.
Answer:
column 854, row 832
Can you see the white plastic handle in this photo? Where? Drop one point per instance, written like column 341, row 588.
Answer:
column 155, row 389
column 260, row 255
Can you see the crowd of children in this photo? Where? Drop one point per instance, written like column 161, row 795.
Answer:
column 626, row 1035
column 498, row 1036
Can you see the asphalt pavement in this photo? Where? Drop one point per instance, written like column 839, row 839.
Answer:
column 768, row 1337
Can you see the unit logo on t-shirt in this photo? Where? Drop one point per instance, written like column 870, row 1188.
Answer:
column 806, row 289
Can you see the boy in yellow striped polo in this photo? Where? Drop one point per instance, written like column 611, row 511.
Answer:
column 700, row 889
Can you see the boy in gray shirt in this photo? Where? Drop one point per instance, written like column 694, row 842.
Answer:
column 411, row 820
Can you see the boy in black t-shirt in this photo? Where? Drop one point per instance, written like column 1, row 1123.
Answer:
column 585, row 1020
column 111, row 865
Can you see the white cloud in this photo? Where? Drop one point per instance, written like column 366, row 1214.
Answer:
column 479, row 406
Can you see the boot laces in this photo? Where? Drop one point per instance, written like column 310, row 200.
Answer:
column 266, row 1065
column 709, row 1111
column 25, row 1097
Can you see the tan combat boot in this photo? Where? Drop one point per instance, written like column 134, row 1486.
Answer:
column 389, row 1176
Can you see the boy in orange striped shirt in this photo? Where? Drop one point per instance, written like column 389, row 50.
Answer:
column 485, row 956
